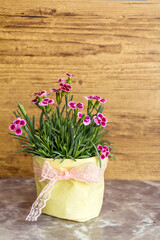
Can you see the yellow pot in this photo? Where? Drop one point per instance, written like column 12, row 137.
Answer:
column 72, row 199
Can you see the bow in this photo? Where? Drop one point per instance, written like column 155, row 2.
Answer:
column 87, row 172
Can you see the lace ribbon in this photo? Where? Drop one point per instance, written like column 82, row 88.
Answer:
column 87, row 172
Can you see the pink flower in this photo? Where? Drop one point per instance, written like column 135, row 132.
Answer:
column 70, row 75
column 97, row 120
column 107, row 153
column 65, row 87
column 99, row 147
column 103, row 124
column 92, row 97
column 80, row 114
column 22, row 122
column 100, row 120
column 73, row 105
column 17, row 121
column 102, row 100
column 18, row 131
column 42, row 93
column 105, row 148
column 51, row 101
column 55, row 89
column 96, row 97
column 60, row 80
column 16, row 126
column 103, row 156
column 43, row 104
column 87, row 121
column 104, row 151
column 46, row 101
column 89, row 97
column 104, row 119
column 34, row 100
column 12, row 127
column 100, row 115
column 80, row 105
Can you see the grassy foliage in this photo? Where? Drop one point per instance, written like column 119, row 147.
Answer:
column 60, row 133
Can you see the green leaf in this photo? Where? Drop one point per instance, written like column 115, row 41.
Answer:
column 73, row 159
column 33, row 122
column 21, row 139
column 62, row 160
column 112, row 156
column 97, row 153
column 62, row 110
column 110, row 147
column 22, row 150
column 41, row 119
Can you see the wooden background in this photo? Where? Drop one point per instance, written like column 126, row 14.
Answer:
column 114, row 49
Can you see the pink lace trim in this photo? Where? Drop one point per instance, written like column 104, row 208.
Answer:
column 87, row 172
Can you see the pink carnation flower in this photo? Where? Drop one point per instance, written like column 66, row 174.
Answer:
column 40, row 94
column 22, row 122
column 70, row 75
column 73, row 105
column 46, row 101
column 55, row 89
column 80, row 105
column 65, row 87
column 107, row 153
column 18, row 131
column 34, row 100
column 12, row 127
column 61, row 80
column 99, row 147
column 17, row 121
column 103, row 156
column 80, row 115
column 102, row 100
column 100, row 120
column 104, row 151
column 97, row 120
column 89, row 97
column 87, row 121
column 16, row 126
column 96, row 97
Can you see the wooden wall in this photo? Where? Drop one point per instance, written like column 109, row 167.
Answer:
column 114, row 49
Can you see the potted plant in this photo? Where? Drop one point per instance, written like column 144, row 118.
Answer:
column 69, row 155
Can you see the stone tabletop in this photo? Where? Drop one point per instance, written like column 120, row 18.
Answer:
column 131, row 211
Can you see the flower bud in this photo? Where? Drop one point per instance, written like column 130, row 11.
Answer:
column 69, row 80
column 58, row 97
column 40, row 99
column 96, row 104
column 90, row 103
column 37, row 103
column 47, row 108
column 23, row 109
column 62, row 93
column 76, row 111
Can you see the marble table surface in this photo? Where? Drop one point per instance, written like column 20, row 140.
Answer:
column 131, row 211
